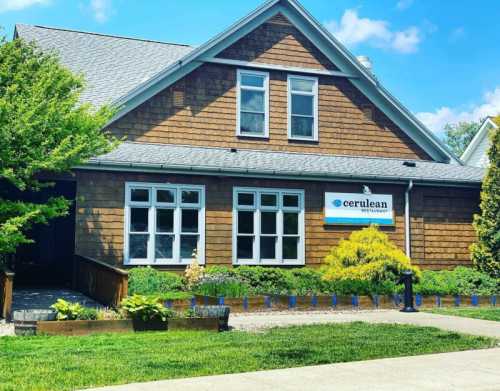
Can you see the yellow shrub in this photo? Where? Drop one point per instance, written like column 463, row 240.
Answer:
column 367, row 255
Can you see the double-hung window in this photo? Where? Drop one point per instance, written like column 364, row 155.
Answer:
column 253, row 104
column 302, row 108
column 268, row 226
column 164, row 224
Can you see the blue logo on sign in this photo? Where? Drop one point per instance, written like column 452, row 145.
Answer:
column 337, row 203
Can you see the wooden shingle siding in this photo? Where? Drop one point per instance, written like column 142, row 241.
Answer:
column 278, row 42
column 439, row 238
column 208, row 117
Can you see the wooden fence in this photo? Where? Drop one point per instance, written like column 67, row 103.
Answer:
column 6, row 287
column 102, row 282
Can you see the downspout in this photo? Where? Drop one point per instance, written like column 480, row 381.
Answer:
column 407, row 219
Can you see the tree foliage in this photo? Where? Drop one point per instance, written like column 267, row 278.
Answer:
column 486, row 251
column 458, row 136
column 43, row 128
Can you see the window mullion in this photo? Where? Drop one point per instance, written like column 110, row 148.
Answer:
column 256, row 231
column 151, row 232
column 279, row 233
column 177, row 228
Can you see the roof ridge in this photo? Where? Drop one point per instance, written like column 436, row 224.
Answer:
column 285, row 152
column 103, row 35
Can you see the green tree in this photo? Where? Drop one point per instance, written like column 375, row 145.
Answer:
column 43, row 129
column 486, row 251
column 458, row 136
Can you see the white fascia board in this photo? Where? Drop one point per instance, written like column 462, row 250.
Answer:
column 476, row 140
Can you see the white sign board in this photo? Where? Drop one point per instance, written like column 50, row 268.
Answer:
column 355, row 208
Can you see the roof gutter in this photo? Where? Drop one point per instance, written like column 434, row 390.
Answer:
column 268, row 174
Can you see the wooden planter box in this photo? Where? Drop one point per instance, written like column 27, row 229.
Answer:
column 87, row 327
column 84, row 327
column 211, row 324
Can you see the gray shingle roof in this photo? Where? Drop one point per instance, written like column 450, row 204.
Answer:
column 244, row 161
column 112, row 66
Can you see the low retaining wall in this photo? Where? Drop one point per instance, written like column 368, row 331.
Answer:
column 6, row 287
column 336, row 302
column 100, row 281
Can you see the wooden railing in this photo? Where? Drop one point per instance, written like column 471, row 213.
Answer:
column 102, row 282
column 6, row 287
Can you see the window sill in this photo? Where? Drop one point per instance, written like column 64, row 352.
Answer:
column 303, row 139
column 258, row 136
column 269, row 263
column 161, row 263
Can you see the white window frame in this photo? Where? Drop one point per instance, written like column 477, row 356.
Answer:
column 265, row 89
column 257, row 208
column 177, row 207
column 314, row 94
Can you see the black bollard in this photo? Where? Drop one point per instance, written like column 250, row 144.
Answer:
column 407, row 280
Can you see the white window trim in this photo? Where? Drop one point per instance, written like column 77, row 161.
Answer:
column 314, row 94
column 152, row 205
column 279, row 226
column 239, row 72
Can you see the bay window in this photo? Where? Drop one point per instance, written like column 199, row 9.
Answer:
column 303, row 108
column 268, row 226
column 253, row 104
column 164, row 224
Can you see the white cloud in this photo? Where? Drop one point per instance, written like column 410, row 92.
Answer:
column 436, row 120
column 457, row 34
column 16, row 5
column 353, row 30
column 404, row 4
column 102, row 9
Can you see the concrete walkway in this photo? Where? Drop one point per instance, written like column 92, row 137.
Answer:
column 42, row 299
column 477, row 370
column 259, row 321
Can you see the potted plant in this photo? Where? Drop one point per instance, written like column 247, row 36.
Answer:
column 147, row 313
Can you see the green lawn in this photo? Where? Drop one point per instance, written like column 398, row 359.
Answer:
column 486, row 313
column 64, row 363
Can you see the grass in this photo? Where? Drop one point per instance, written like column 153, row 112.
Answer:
column 486, row 313
column 64, row 363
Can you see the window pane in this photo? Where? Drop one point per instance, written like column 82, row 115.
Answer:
column 252, row 80
column 163, row 246
column 245, row 199
column 303, row 85
column 290, row 248
column 164, row 220
column 302, row 126
column 139, row 219
column 245, row 222
column 268, row 199
column 252, row 101
column 189, row 243
column 302, row 105
column 290, row 200
column 138, row 246
column 190, row 197
column 139, row 195
column 268, row 247
column 166, row 196
column 252, row 123
column 244, row 247
column 290, row 223
column 268, row 222
column 189, row 220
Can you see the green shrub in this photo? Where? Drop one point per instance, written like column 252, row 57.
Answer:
column 145, row 308
column 73, row 311
column 368, row 255
column 148, row 281
column 263, row 280
column 307, row 281
column 460, row 281
column 221, row 285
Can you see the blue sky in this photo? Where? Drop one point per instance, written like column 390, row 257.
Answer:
column 440, row 58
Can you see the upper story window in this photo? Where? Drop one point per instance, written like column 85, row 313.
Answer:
column 253, row 104
column 303, row 108
column 164, row 224
column 268, row 226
